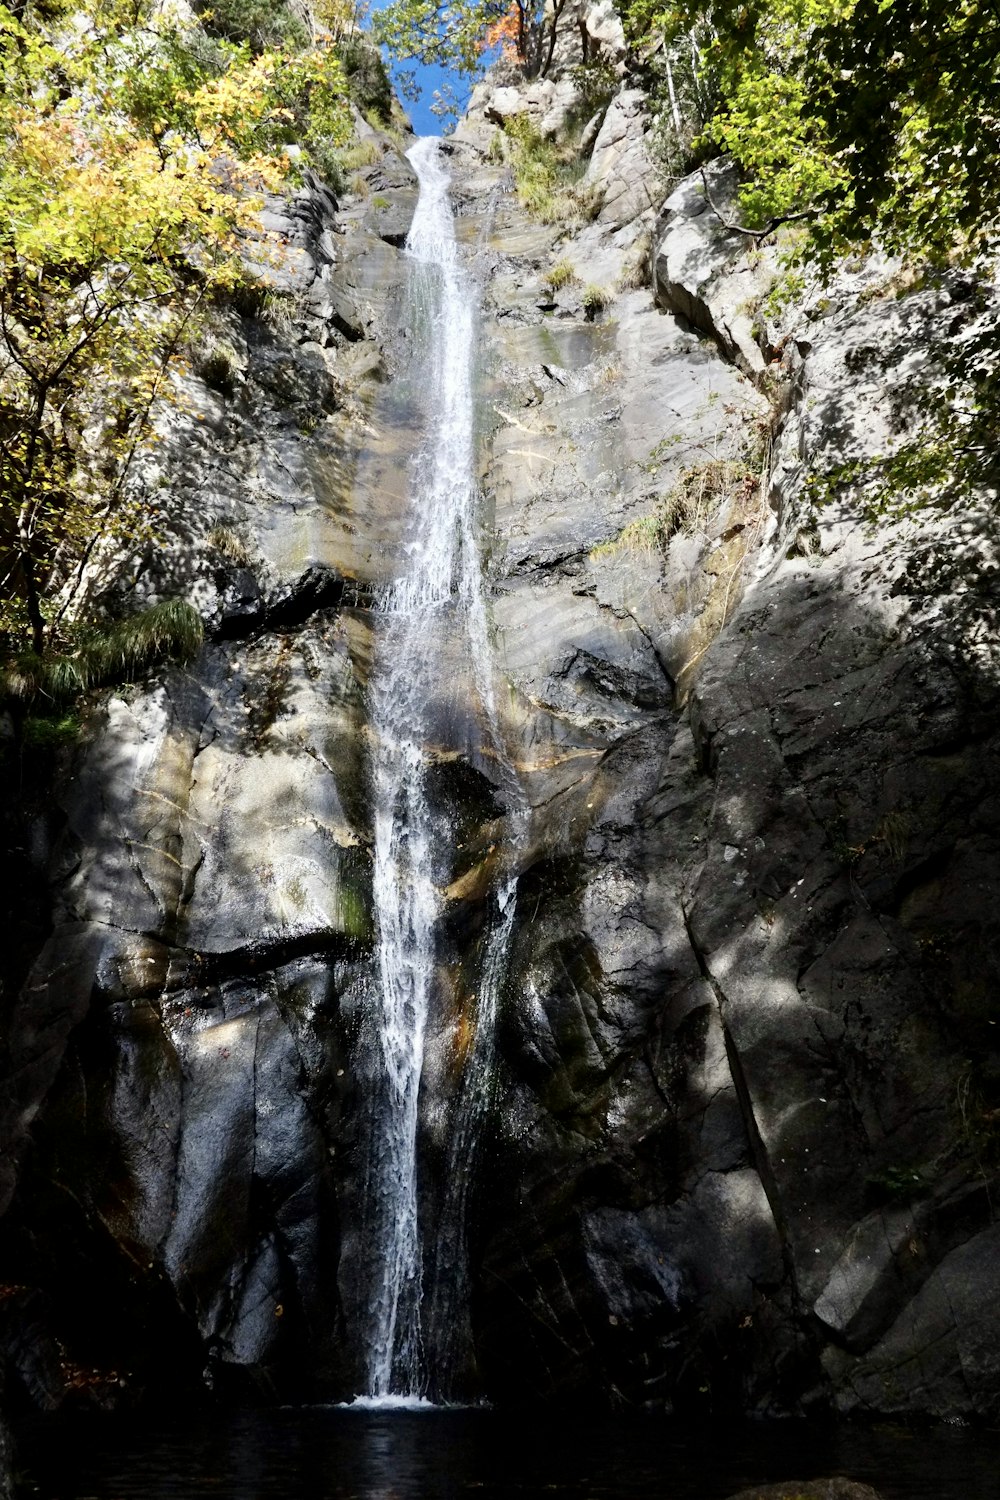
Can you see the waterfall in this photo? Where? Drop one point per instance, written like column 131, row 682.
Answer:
column 432, row 620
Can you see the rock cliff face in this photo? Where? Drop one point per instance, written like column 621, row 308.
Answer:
column 185, row 1024
column 753, row 1001
column 743, row 1150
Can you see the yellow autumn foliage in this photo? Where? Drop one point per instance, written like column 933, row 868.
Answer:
column 133, row 152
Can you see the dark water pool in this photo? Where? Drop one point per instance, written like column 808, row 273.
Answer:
column 483, row 1455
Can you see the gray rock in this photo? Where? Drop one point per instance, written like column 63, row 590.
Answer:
column 6, row 1463
column 389, row 214
column 746, row 1059
column 813, row 1082
column 209, row 889
column 702, row 268
column 621, row 170
column 548, row 104
column 54, row 1001
column 604, row 27
column 939, row 1357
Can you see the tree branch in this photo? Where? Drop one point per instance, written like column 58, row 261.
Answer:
column 753, row 234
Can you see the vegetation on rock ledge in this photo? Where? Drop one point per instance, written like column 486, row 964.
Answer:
column 874, row 118
column 120, row 652
column 135, row 152
column 872, row 123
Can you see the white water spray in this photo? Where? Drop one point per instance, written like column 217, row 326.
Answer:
column 437, row 601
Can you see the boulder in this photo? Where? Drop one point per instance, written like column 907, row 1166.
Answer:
column 389, row 214
column 604, row 28
column 702, row 269
column 622, row 172
column 502, row 104
column 939, row 1356
column 546, row 103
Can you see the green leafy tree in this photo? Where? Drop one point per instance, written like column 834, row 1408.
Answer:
column 463, row 35
column 873, row 117
column 451, row 34
column 264, row 25
column 878, row 122
column 132, row 156
column 911, row 105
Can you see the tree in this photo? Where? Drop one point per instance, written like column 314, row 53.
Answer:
column 461, row 35
column 447, row 33
column 878, row 122
column 509, row 34
column 912, row 103
column 878, row 118
column 134, row 154
column 451, row 34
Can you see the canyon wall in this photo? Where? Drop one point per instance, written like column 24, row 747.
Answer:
column 743, row 1146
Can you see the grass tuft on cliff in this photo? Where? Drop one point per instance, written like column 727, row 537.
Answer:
column 122, row 652
column 547, row 175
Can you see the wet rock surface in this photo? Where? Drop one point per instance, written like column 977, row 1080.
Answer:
column 177, row 1057
column 743, row 1152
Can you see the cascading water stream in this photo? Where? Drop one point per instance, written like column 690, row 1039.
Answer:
column 437, row 601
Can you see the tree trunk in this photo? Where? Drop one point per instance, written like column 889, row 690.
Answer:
column 35, row 618
column 557, row 11
column 25, row 529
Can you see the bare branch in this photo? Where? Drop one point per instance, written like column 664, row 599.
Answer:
column 753, row 234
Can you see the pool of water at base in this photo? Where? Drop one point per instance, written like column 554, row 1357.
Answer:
column 338, row 1454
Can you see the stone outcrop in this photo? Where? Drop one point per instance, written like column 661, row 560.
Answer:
column 701, row 271
column 585, row 35
column 744, row 1153
column 622, row 168
column 546, row 104
column 737, row 1134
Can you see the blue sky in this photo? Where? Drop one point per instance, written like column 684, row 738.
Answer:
column 428, row 79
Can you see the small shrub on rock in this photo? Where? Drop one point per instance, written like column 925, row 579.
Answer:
column 635, row 271
column 596, row 299
column 231, row 546
column 560, row 275
column 119, row 652
column 219, row 367
column 547, row 176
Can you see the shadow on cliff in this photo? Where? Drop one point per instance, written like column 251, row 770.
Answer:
column 177, row 1210
column 191, row 1202
column 745, row 1131
column 749, row 1070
